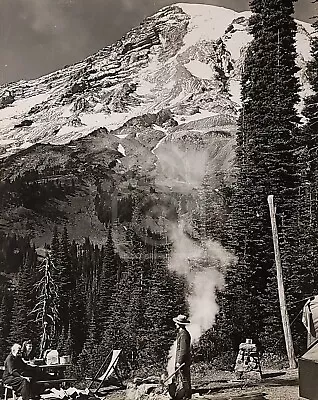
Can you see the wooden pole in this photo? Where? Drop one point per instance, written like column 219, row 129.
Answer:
column 281, row 292
column 173, row 373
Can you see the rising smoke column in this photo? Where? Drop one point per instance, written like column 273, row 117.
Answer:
column 199, row 261
column 201, row 264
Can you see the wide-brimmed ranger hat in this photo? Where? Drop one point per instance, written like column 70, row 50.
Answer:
column 181, row 319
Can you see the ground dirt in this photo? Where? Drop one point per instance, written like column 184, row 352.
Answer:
column 275, row 385
column 223, row 385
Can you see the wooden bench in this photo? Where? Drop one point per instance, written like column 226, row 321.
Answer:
column 7, row 387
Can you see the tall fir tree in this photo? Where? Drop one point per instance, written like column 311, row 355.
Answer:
column 90, row 359
column 126, row 306
column 55, row 246
column 65, row 344
column 78, row 317
column 267, row 140
column 5, row 311
column 63, row 276
column 107, row 283
column 163, row 298
column 309, row 174
column 123, row 322
column 23, row 323
column 308, row 194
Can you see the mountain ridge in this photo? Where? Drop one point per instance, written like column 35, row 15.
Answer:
column 163, row 63
column 151, row 116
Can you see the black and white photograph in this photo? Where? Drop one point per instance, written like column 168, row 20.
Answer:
column 158, row 200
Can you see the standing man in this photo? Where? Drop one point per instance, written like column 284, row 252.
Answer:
column 16, row 373
column 183, row 356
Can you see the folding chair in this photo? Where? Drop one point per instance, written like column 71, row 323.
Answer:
column 113, row 356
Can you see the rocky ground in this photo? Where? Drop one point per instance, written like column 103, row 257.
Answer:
column 275, row 385
column 222, row 385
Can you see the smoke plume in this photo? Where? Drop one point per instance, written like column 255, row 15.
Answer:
column 202, row 265
column 200, row 261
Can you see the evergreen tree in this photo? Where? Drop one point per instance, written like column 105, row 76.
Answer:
column 63, row 276
column 23, row 322
column 159, row 329
column 78, row 317
column 46, row 308
column 309, row 173
column 73, row 254
column 115, row 334
column 107, row 283
column 90, row 358
column 163, row 298
column 66, row 347
column 126, row 308
column 55, row 247
column 133, row 307
column 266, row 142
column 307, row 274
column 4, row 325
column 65, row 342
column 311, row 106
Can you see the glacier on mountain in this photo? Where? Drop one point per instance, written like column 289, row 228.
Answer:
column 186, row 58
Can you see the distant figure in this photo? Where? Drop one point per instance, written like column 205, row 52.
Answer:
column 183, row 356
column 18, row 374
column 27, row 351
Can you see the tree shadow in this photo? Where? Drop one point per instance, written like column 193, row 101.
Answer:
column 272, row 374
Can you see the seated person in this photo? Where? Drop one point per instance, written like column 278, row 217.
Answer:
column 27, row 351
column 19, row 375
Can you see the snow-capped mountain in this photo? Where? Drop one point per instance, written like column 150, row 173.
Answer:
column 134, row 134
column 186, row 58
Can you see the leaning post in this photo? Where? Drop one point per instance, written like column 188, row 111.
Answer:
column 281, row 291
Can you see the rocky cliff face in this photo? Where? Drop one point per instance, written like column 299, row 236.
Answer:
column 150, row 115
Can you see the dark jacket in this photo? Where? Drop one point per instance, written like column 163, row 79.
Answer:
column 183, row 347
column 27, row 357
column 14, row 366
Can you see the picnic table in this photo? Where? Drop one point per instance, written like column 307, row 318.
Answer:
column 57, row 371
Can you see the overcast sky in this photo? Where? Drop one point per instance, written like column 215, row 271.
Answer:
column 40, row 36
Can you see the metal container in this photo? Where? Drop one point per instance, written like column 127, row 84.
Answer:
column 65, row 359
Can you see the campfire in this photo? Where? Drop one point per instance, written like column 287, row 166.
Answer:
column 148, row 388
